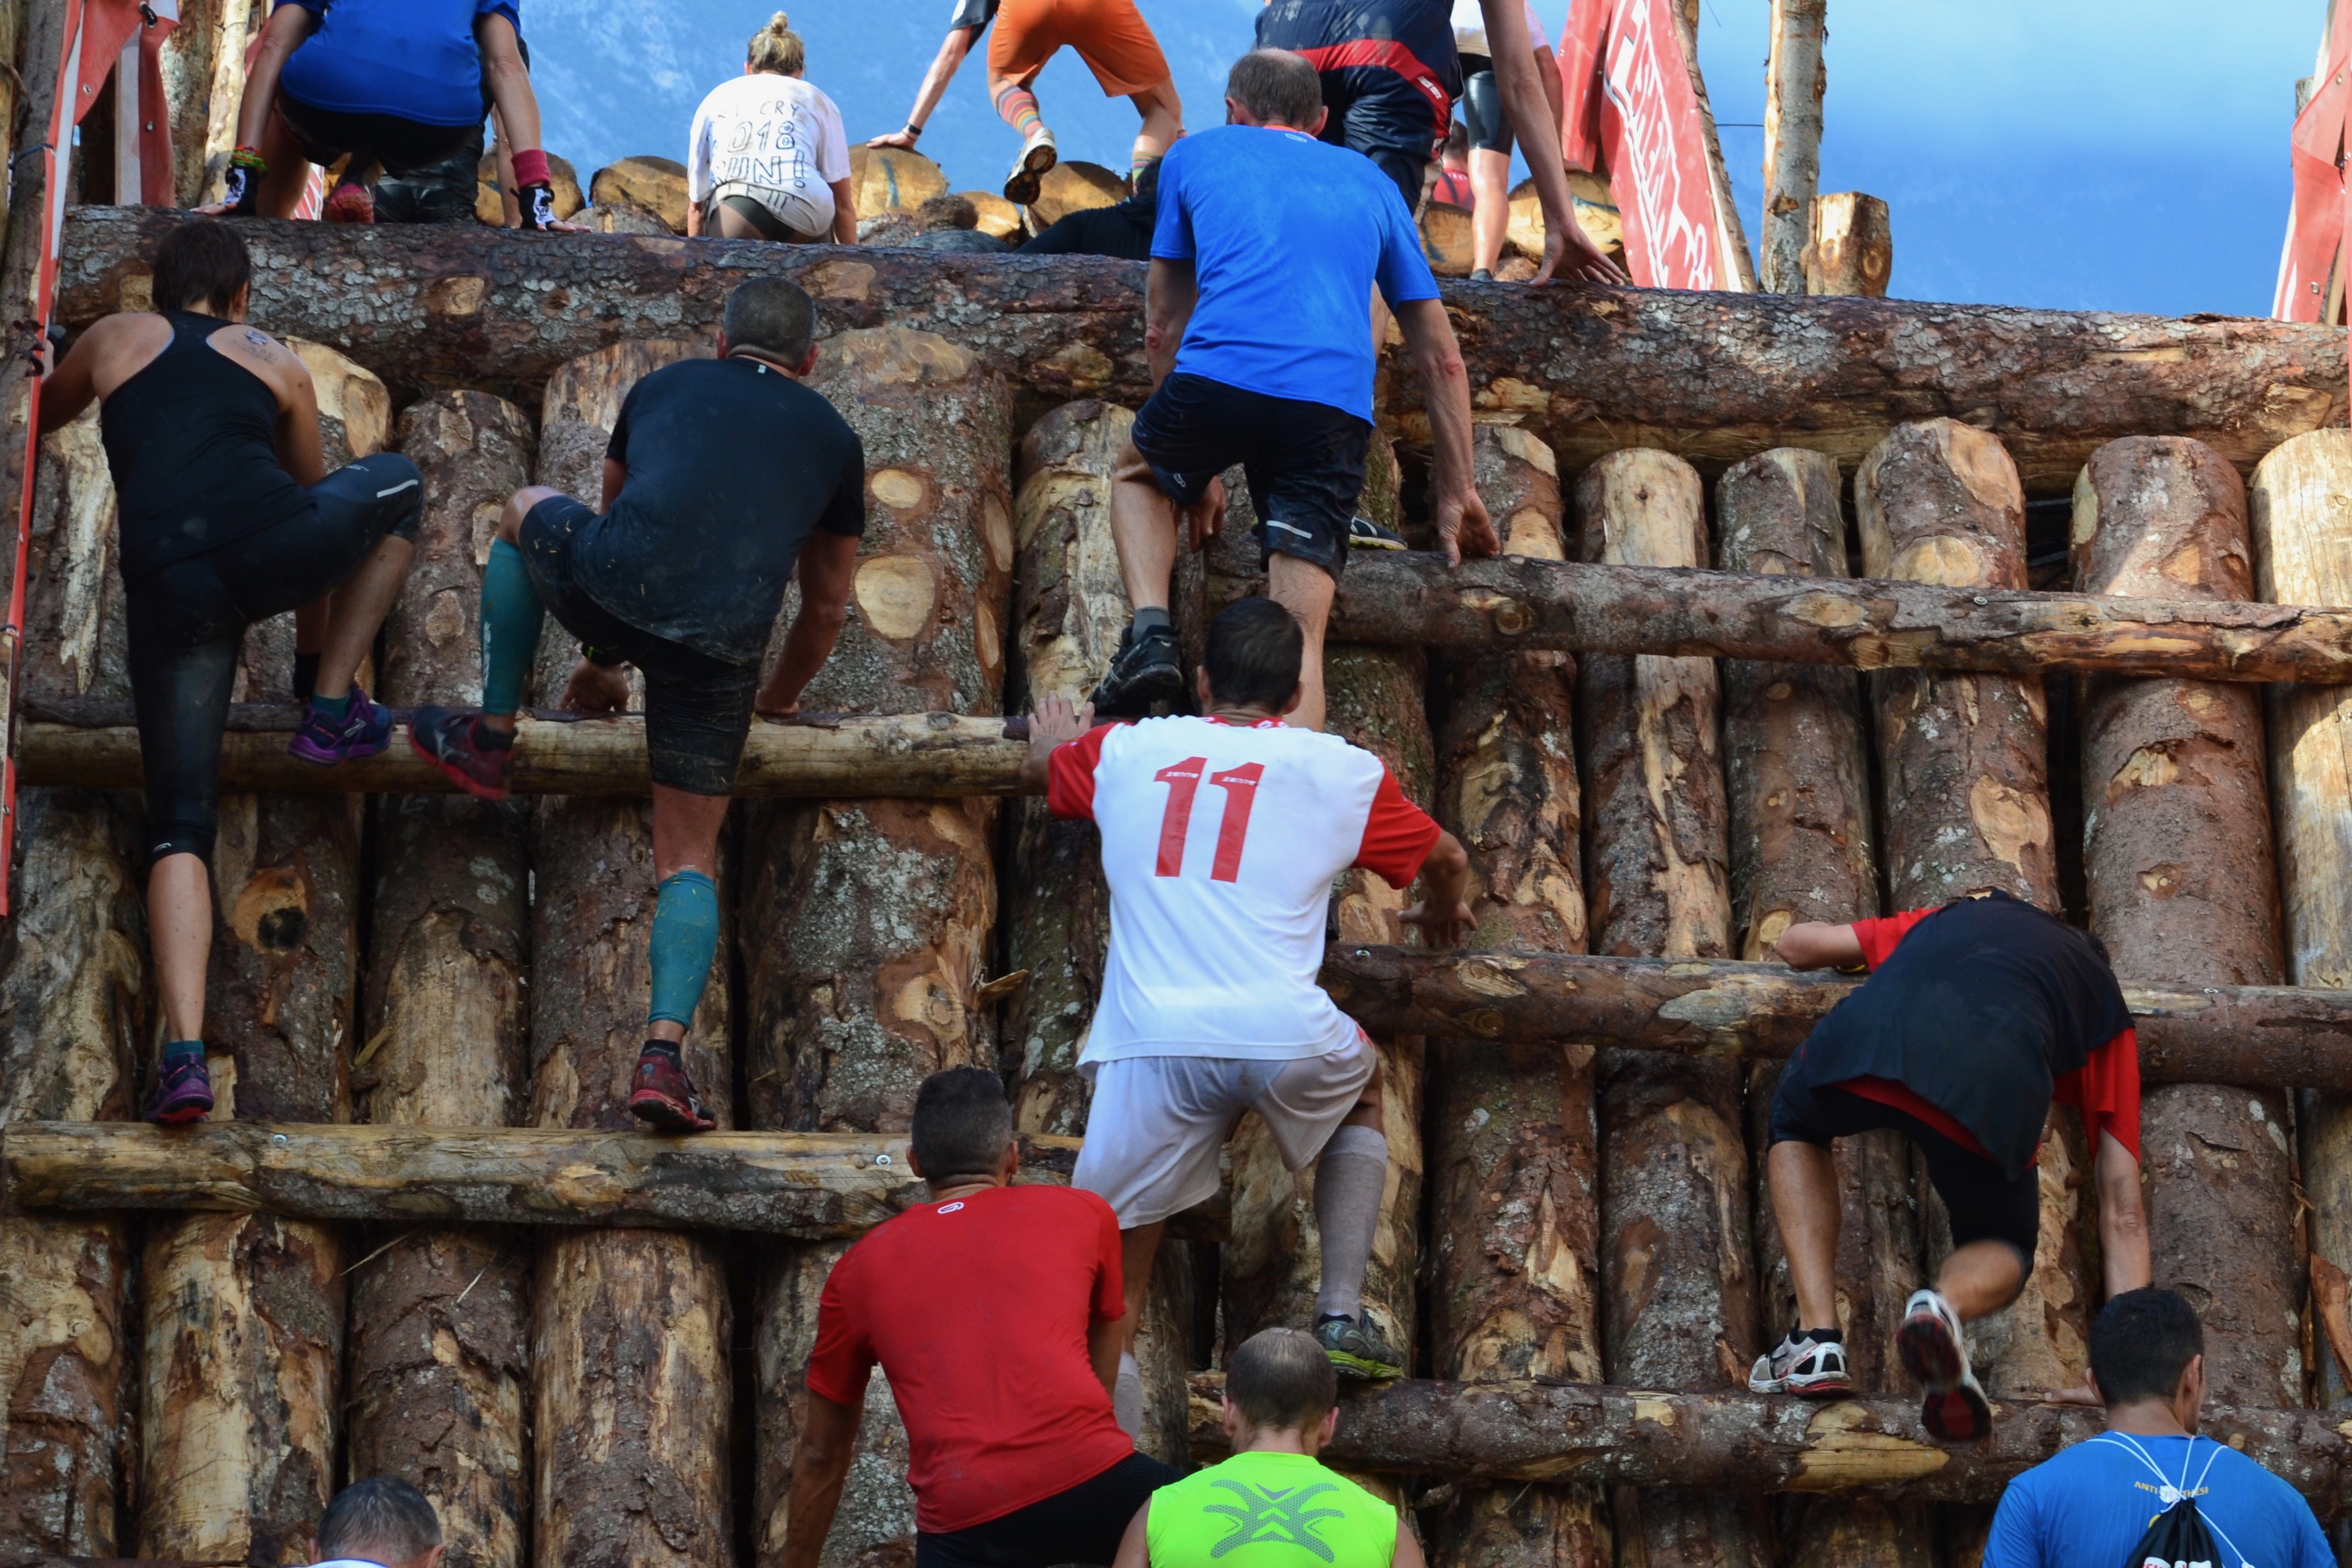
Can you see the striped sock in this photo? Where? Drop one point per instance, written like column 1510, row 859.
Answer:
column 1018, row 105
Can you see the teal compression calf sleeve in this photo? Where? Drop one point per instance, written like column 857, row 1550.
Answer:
column 511, row 614
column 685, row 941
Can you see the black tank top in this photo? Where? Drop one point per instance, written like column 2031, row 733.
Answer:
column 191, row 441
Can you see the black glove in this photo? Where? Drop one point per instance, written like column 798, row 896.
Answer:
column 538, row 202
column 243, row 191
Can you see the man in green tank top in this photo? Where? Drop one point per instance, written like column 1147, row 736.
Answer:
column 1272, row 1504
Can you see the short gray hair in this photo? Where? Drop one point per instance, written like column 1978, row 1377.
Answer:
column 381, row 1518
column 1281, row 1380
column 772, row 315
column 1277, row 85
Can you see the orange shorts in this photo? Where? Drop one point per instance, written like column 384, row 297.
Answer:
column 1110, row 35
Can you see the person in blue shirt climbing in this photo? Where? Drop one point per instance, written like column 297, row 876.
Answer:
column 2092, row 1504
column 397, row 86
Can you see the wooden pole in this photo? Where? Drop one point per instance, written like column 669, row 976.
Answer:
column 1513, row 1154
column 1679, row 1296
column 1793, row 85
column 1850, row 248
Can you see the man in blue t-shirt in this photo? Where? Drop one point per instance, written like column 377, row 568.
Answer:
column 1268, row 246
column 2092, row 1504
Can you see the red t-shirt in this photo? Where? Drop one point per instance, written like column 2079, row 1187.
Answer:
column 978, row 1311
column 2105, row 1089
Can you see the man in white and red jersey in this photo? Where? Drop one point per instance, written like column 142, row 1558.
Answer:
column 1977, row 1017
column 1220, row 838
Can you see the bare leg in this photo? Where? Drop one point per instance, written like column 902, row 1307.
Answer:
column 1979, row 1278
column 1490, row 219
column 1163, row 120
column 180, row 932
column 1805, row 1207
column 686, row 838
column 1143, row 525
column 1138, row 1249
column 1305, row 590
column 289, row 173
column 359, row 606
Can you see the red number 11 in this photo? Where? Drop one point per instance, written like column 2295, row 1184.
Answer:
column 1183, row 781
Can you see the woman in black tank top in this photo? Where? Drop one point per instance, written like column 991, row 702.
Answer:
column 227, row 518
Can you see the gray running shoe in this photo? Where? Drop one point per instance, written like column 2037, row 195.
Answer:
column 1027, row 180
column 1358, row 1350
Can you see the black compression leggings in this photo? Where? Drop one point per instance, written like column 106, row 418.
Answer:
column 1483, row 114
column 187, row 623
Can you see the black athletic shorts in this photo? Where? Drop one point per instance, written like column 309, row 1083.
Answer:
column 402, row 146
column 187, row 622
column 1305, row 461
column 697, row 708
column 439, row 192
column 1081, row 1525
column 1984, row 1205
column 1483, row 114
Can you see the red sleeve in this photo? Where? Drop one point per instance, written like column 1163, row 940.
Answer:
column 1109, row 1304
column 1879, row 938
column 843, row 1358
column 2105, row 1089
column 1398, row 835
column 1070, row 774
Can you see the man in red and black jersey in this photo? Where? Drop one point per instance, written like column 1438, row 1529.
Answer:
column 1977, row 1019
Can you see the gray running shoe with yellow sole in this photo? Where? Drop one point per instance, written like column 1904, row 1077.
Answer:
column 1358, row 1350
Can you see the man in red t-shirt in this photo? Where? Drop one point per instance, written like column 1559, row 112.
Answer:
column 1977, row 1019
column 996, row 1314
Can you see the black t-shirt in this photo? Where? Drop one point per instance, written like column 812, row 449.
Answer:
column 1978, row 1011
column 1123, row 230
column 732, row 465
column 973, row 14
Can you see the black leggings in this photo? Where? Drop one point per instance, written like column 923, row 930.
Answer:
column 1081, row 1525
column 187, row 622
column 1483, row 114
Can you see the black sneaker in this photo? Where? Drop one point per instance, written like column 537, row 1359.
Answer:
column 1482, row 276
column 456, row 741
column 1142, row 673
column 1365, row 534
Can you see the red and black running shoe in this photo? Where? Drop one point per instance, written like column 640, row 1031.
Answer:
column 664, row 1098
column 1954, row 1408
column 479, row 759
column 183, row 1094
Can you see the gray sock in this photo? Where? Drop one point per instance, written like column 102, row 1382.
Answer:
column 1350, row 1179
column 1152, row 617
column 1127, row 1397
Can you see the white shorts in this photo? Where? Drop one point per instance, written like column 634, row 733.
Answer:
column 1159, row 1124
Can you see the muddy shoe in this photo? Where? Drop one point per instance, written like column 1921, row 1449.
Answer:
column 1357, row 1350
column 663, row 1097
column 1143, row 672
column 1953, row 1407
column 479, row 759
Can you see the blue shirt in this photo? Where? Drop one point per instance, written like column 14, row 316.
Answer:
column 1286, row 236
column 414, row 59
column 2088, row 1507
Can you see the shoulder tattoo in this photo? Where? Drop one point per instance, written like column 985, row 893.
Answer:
column 261, row 342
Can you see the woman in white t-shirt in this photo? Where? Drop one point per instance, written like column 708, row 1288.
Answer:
column 768, row 158
column 1489, row 125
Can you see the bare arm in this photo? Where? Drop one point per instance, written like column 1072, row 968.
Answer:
column 2123, row 1217
column 510, row 83
column 828, row 562
column 1170, row 291
column 1135, row 1546
column 1056, row 723
column 819, row 1465
column 1566, row 248
column 70, row 388
column 299, row 450
column 952, row 49
column 845, row 213
column 1444, row 913
column 280, row 36
column 1811, row 945
column 1408, row 1550
column 1461, row 522
column 616, row 473
column 1555, row 96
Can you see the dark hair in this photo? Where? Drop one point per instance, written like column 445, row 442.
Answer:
column 961, row 1125
column 2140, row 1345
column 1146, row 181
column 382, row 1517
column 1458, row 140
column 773, row 316
column 1281, row 1380
column 1255, row 652
column 202, row 262
column 949, row 211
column 1277, row 85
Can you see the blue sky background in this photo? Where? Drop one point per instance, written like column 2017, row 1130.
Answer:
column 2073, row 153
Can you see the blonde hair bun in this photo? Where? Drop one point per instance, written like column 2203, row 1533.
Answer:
column 776, row 47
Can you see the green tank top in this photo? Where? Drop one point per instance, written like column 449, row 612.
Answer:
column 1269, row 1510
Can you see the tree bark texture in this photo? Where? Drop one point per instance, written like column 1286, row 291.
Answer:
column 2300, row 547
column 1593, row 368
column 440, row 1375
column 1850, row 246
column 1679, row 1298
column 1967, row 809
column 631, row 1393
column 1793, row 85
column 2177, row 856
column 1513, row 1156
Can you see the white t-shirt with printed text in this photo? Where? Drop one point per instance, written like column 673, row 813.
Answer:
column 1218, row 845
column 767, row 133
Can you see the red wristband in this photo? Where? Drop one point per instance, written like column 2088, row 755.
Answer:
column 531, row 168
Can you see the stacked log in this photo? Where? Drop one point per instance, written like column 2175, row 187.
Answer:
column 2301, row 547
column 873, row 917
column 438, row 1371
column 630, row 1330
column 1513, row 1153
column 1801, row 850
column 1679, row 1291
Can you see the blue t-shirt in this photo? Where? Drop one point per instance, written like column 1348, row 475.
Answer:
column 2088, row 1507
column 1286, row 236
column 415, row 60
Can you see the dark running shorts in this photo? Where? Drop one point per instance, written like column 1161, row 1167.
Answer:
column 1080, row 1525
column 1483, row 114
column 1985, row 1206
column 402, row 146
column 697, row 708
column 1305, row 461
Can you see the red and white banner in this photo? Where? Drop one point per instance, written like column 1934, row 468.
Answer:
column 2315, row 230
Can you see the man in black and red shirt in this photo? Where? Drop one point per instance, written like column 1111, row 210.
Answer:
column 1977, row 1017
column 996, row 1311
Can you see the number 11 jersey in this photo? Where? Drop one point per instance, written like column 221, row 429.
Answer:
column 1219, row 844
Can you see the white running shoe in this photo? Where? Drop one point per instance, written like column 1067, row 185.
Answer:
column 1953, row 1407
column 1037, row 155
column 1808, row 1368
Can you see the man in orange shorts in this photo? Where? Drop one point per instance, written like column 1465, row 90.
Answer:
column 1110, row 35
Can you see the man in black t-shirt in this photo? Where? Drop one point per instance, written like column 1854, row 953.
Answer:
column 725, row 479
column 1122, row 230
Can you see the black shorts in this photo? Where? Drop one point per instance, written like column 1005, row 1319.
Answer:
column 1305, row 461
column 439, row 192
column 187, row 622
column 402, row 146
column 1483, row 114
column 697, row 708
column 1081, row 1525
column 1984, row 1205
